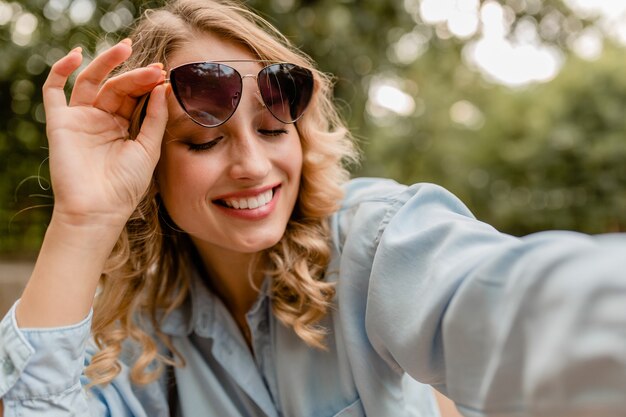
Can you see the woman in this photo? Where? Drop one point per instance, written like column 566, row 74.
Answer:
column 233, row 270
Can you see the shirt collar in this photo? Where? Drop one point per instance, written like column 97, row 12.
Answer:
column 198, row 311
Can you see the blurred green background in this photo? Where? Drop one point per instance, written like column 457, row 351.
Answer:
column 517, row 106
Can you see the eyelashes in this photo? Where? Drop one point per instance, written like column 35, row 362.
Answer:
column 205, row 146
column 272, row 132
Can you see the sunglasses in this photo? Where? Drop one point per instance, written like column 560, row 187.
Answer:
column 209, row 92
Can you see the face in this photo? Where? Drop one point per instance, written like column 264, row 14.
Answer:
column 232, row 188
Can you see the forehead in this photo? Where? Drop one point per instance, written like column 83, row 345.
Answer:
column 208, row 47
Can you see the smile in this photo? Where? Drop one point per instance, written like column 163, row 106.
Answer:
column 250, row 203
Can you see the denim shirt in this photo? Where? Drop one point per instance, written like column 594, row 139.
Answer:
column 504, row 326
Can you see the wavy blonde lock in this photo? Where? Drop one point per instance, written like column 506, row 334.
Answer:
column 147, row 275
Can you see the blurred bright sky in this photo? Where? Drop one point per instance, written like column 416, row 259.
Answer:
column 514, row 58
column 520, row 57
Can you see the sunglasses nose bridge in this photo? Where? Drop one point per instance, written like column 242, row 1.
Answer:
column 243, row 77
column 253, row 76
column 258, row 91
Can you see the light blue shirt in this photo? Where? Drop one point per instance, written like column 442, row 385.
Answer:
column 425, row 292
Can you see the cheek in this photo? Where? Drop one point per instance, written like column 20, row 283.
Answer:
column 293, row 161
column 177, row 175
column 182, row 194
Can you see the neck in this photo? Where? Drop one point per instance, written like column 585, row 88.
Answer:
column 234, row 277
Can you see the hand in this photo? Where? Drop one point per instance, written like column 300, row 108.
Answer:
column 98, row 174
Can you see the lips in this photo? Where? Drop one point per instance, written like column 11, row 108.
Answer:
column 249, row 200
column 250, row 203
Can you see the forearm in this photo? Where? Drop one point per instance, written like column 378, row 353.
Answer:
column 65, row 278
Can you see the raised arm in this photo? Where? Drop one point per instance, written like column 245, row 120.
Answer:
column 98, row 178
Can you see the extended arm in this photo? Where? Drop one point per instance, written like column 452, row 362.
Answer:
column 503, row 326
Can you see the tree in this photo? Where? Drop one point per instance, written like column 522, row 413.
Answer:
column 537, row 156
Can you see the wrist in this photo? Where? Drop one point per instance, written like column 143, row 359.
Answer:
column 92, row 237
column 81, row 222
column 67, row 272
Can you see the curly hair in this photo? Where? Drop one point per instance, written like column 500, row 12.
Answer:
column 147, row 274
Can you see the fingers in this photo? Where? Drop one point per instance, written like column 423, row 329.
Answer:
column 53, row 94
column 153, row 126
column 88, row 82
column 118, row 94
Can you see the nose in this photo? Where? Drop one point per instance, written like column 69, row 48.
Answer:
column 250, row 160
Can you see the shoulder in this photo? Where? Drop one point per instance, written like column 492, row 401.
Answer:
column 364, row 190
column 372, row 192
column 370, row 204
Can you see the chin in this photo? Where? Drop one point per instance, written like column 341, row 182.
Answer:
column 259, row 246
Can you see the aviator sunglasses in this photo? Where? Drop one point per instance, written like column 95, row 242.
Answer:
column 209, row 92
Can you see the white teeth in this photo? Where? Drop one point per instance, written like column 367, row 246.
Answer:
column 251, row 202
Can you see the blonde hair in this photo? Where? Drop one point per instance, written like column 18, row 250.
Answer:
column 147, row 274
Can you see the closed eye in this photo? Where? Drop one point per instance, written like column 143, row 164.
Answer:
column 205, row 146
column 272, row 132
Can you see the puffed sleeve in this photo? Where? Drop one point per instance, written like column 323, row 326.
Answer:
column 41, row 374
column 504, row 326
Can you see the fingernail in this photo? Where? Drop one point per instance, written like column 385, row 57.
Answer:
column 164, row 73
column 127, row 41
column 156, row 65
column 78, row 49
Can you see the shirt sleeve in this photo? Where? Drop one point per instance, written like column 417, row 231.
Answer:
column 41, row 368
column 504, row 326
column 41, row 374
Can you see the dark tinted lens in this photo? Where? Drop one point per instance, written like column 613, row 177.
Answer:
column 286, row 90
column 208, row 92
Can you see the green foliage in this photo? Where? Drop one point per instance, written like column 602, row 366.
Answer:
column 560, row 162
column 541, row 157
column 550, row 156
column 25, row 194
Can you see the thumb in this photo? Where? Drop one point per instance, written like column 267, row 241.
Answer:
column 153, row 126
